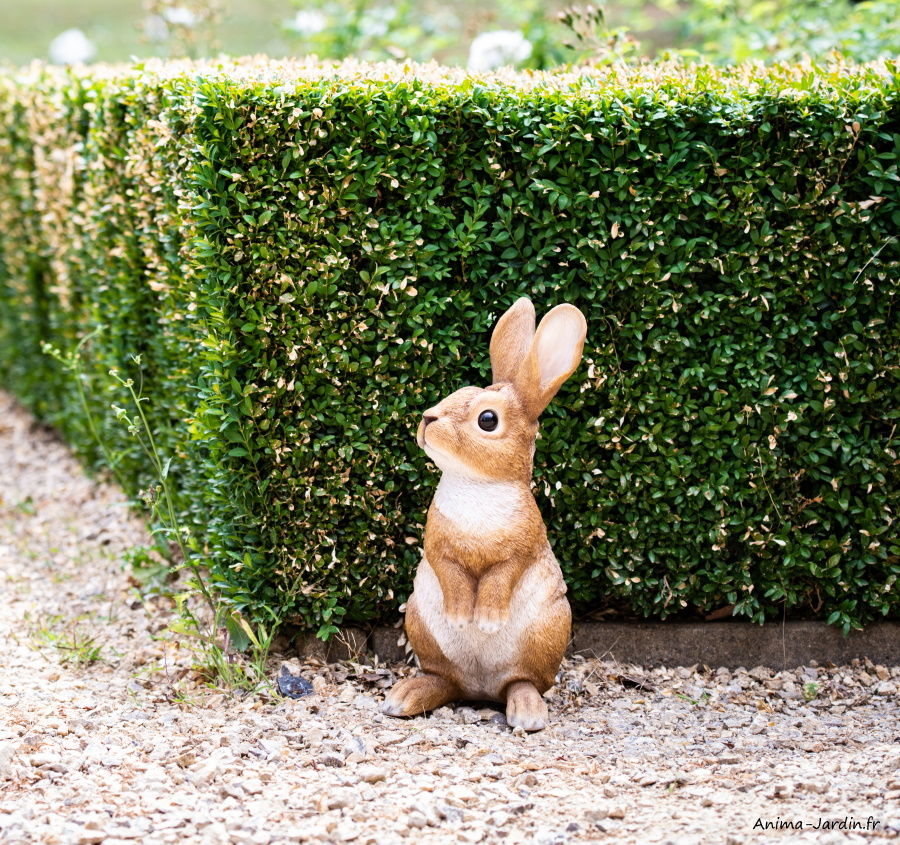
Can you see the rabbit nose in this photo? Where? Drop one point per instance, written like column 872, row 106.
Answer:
column 428, row 418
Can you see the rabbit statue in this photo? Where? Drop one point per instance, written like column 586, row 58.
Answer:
column 488, row 618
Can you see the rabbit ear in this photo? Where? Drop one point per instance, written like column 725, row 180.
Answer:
column 511, row 340
column 553, row 357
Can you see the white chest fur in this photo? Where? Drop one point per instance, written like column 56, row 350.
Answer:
column 478, row 507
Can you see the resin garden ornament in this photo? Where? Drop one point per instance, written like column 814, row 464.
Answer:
column 488, row 617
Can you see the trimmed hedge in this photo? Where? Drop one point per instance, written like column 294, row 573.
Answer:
column 307, row 258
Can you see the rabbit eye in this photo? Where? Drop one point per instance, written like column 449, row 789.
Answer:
column 487, row 420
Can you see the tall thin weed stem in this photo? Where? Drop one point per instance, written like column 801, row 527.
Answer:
column 221, row 633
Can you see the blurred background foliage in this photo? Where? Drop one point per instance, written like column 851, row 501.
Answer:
column 478, row 33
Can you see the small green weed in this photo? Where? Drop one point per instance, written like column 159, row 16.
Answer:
column 74, row 644
column 147, row 566
column 703, row 700
column 26, row 506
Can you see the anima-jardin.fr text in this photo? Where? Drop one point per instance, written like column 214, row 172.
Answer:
column 846, row 823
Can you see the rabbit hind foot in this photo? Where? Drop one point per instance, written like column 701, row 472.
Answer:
column 525, row 708
column 416, row 696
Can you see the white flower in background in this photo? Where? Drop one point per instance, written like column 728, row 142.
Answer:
column 308, row 22
column 155, row 28
column 71, row 47
column 179, row 16
column 499, row 48
column 376, row 22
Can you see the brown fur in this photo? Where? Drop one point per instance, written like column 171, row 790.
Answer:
column 477, row 574
column 431, row 658
column 439, row 683
column 501, row 455
column 545, row 646
column 511, row 340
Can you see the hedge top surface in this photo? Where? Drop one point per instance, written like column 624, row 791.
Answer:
column 791, row 81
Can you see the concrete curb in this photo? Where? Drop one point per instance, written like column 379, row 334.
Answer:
column 732, row 644
column 714, row 644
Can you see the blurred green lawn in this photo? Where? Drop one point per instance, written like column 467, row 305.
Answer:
column 28, row 27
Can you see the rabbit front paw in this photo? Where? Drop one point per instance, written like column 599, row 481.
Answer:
column 490, row 618
column 458, row 614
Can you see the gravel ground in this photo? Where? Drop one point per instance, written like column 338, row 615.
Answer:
column 106, row 735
